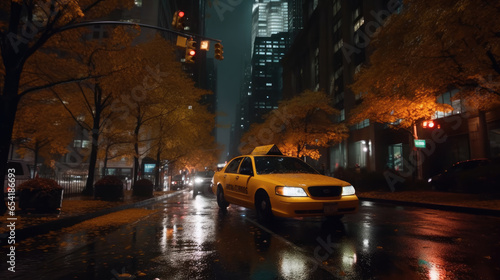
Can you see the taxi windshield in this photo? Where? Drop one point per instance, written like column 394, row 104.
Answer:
column 280, row 165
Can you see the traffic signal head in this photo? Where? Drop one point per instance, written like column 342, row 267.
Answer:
column 219, row 51
column 190, row 51
column 178, row 20
column 428, row 124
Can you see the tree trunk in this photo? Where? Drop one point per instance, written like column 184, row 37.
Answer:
column 136, row 162
column 105, row 161
column 89, row 187
column 484, row 142
column 136, row 148
column 35, row 163
column 8, row 107
column 157, row 170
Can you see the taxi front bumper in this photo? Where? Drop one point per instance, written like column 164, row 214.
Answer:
column 310, row 207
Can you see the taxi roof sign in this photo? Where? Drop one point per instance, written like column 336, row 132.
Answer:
column 267, row 150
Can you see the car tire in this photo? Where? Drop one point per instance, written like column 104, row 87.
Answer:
column 195, row 192
column 221, row 200
column 263, row 208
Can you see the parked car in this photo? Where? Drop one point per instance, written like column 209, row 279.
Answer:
column 177, row 182
column 202, row 182
column 21, row 172
column 278, row 185
column 472, row 176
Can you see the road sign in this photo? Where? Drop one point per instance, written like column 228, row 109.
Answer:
column 419, row 143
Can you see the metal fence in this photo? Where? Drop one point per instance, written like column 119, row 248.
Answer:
column 73, row 185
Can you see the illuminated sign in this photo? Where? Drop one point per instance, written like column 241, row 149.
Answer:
column 419, row 143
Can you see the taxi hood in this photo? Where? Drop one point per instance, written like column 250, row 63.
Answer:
column 303, row 180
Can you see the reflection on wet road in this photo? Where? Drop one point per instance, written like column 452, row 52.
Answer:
column 190, row 238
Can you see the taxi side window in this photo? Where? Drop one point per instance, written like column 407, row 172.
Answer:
column 233, row 166
column 246, row 167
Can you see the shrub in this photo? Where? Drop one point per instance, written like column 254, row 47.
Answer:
column 109, row 188
column 43, row 195
column 143, row 187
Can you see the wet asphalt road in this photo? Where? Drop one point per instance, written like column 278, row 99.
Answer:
column 190, row 238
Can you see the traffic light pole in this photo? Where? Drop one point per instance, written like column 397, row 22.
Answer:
column 417, row 154
column 109, row 22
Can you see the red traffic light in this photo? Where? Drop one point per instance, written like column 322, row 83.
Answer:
column 428, row 124
column 181, row 14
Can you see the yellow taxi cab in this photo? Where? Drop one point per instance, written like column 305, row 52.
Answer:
column 284, row 186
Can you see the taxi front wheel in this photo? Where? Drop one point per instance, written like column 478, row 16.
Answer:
column 263, row 207
column 221, row 200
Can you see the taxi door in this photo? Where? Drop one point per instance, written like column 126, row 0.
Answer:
column 230, row 173
column 245, row 174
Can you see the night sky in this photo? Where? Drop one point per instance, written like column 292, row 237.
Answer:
column 229, row 21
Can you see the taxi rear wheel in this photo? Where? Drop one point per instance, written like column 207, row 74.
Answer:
column 221, row 200
column 263, row 207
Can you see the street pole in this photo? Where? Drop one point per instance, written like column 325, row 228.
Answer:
column 417, row 154
column 111, row 22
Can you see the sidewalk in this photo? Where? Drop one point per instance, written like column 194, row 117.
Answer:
column 74, row 210
column 458, row 202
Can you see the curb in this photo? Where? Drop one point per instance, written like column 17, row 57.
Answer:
column 451, row 208
column 31, row 231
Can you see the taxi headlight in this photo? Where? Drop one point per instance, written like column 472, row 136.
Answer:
column 290, row 191
column 348, row 190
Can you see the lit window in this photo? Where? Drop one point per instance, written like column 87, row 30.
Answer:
column 77, row 143
column 359, row 23
column 85, row 144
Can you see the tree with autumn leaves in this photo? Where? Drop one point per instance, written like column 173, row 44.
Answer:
column 169, row 119
column 430, row 48
column 34, row 41
column 299, row 126
column 112, row 63
column 31, row 29
column 42, row 129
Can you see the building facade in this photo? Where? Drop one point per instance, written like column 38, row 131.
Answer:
column 327, row 54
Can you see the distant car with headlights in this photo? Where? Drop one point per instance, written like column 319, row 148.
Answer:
column 202, row 181
column 284, row 186
column 178, row 182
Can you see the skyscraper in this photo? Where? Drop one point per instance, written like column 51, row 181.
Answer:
column 270, row 40
column 269, row 17
column 273, row 26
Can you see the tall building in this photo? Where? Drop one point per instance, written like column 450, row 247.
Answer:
column 266, row 75
column 327, row 54
column 295, row 22
column 274, row 24
column 270, row 41
column 269, row 17
column 317, row 60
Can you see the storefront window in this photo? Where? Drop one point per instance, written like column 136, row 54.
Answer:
column 395, row 159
